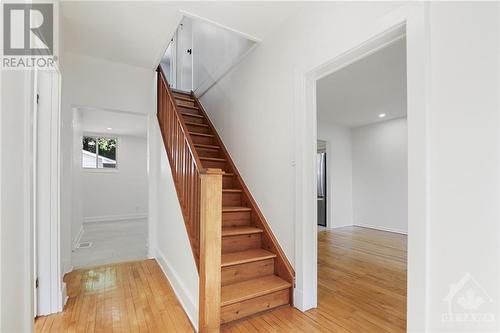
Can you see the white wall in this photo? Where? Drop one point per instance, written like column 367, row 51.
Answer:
column 169, row 238
column 252, row 107
column 16, row 280
column 339, row 173
column 120, row 193
column 254, row 117
column 380, row 175
column 215, row 51
column 464, row 141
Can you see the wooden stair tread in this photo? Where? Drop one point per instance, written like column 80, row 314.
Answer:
column 231, row 209
column 188, row 107
column 184, row 98
column 181, row 92
column 240, row 230
column 192, row 115
column 199, row 145
column 218, row 159
column 232, row 190
column 195, row 124
column 201, row 134
column 243, row 257
column 242, row 291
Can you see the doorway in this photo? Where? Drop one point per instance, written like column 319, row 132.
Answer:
column 109, row 186
column 411, row 22
column 361, row 113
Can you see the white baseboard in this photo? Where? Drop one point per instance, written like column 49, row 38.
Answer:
column 395, row 230
column 184, row 295
column 78, row 237
column 112, row 218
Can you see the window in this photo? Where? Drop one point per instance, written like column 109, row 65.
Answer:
column 99, row 152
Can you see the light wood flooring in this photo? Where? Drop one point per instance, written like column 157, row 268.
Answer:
column 361, row 288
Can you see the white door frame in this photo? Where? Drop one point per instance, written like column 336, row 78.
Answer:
column 413, row 19
column 47, row 174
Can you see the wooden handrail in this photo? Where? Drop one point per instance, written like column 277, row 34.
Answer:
column 185, row 164
column 185, row 131
column 200, row 194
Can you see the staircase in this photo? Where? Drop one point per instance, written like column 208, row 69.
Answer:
column 255, row 275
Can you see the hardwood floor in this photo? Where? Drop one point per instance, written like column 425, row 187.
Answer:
column 362, row 288
column 123, row 297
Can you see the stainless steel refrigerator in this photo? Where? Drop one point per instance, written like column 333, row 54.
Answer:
column 321, row 183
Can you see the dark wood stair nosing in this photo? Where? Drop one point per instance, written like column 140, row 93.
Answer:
column 232, row 190
column 278, row 286
column 188, row 107
column 201, row 134
column 195, row 124
column 192, row 115
column 180, row 92
column 182, row 98
column 203, row 146
column 236, row 209
column 214, row 159
column 245, row 257
column 240, row 230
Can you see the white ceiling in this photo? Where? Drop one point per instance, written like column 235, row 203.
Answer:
column 93, row 120
column 137, row 32
column 355, row 95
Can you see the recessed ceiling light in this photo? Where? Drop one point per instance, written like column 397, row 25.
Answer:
column 109, row 128
column 381, row 115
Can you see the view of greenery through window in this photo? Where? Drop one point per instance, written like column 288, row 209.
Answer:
column 99, row 152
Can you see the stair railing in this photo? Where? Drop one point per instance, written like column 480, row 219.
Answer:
column 200, row 195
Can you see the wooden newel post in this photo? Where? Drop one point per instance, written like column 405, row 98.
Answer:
column 210, row 250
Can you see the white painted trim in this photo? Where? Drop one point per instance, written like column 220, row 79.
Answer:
column 414, row 16
column 376, row 227
column 28, row 260
column 114, row 218
column 1, row 145
column 50, row 290
column 78, row 237
column 197, row 17
column 184, row 295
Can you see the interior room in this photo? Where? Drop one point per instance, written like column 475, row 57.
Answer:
column 191, row 166
column 110, row 188
column 362, row 181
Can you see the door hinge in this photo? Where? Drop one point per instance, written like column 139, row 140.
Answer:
column 36, row 283
column 37, row 98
